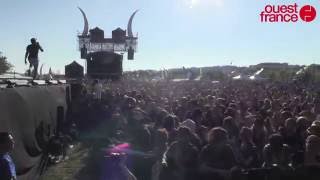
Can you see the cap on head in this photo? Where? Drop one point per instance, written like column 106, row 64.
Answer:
column 217, row 134
column 33, row 40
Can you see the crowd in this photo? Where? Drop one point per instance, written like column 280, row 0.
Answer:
column 202, row 130
column 192, row 130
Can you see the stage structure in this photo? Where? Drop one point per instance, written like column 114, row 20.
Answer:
column 104, row 56
column 74, row 71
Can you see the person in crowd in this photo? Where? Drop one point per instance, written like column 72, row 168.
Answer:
column 230, row 125
column 189, row 124
column 218, row 152
column 248, row 152
column 289, row 133
column 7, row 166
column 181, row 158
column 276, row 153
column 312, row 153
column 169, row 125
column 197, row 117
column 159, row 147
column 314, row 129
column 302, row 126
column 259, row 133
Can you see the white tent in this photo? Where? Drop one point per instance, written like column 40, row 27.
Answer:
column 241, row 77
column 13, row 76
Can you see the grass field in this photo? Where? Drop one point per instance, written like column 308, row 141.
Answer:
column 84, row 158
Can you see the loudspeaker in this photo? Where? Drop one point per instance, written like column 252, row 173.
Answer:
column 84, row 53
column 130, row 54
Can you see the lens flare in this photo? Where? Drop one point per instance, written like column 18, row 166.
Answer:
column 120, row 148
column 194, row 3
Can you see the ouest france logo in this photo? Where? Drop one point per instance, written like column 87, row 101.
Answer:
column 288, row 13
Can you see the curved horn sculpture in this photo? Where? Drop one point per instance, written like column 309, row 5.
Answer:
column 129, row 28
column 41, row 69
column 86, row 24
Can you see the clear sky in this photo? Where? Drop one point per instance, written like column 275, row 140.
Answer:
column 172, row 33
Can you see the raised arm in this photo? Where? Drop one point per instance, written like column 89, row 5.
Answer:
column 40, row 47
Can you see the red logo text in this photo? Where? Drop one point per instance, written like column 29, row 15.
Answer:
column 287, row 13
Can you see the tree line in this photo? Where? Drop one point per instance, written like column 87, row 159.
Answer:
column 4, row 64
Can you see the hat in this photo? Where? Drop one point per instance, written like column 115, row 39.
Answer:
column 314, row 129
column 33, row 39
column 189, row 124
column 312, row 142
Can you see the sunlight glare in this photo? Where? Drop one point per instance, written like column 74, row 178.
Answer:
column 194, row 3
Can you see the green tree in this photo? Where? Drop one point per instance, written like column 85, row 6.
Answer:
column 4, row 64
column 284, row 75
column 215, row 75
column 273, row 76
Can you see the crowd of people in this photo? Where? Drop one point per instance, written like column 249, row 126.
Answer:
column 192, row 130
column 202, row 130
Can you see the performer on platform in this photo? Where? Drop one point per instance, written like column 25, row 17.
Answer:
column 32, row 55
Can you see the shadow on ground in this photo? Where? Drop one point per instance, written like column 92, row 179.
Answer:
column 85, row 159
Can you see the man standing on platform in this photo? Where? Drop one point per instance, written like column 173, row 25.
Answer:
column 32, row 55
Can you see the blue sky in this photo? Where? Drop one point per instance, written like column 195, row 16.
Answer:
column 172, row 33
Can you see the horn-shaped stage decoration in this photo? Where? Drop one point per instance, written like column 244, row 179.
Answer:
column 86, row 24
column 104, row 55
column 41, row 69
column 94, row 41
column 129, row 28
